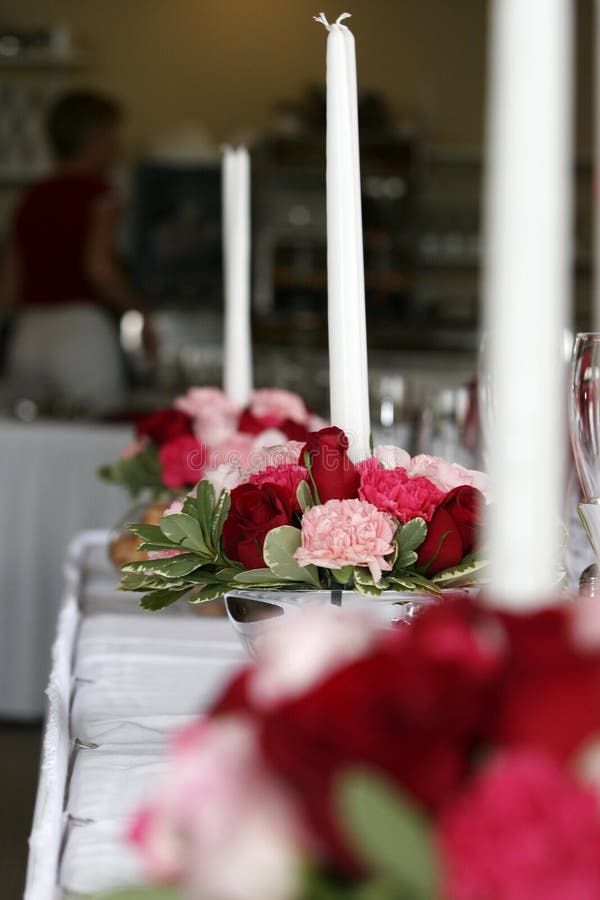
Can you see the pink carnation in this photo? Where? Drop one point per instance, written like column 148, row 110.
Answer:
column 392, row 491
column 346, row 533
column 274, row 405
column 523, row 829
column 445, row 475
column 214, row 415
column 287, row 476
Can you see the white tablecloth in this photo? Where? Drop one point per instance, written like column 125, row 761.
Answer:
column 121, row 680
column 48, row 493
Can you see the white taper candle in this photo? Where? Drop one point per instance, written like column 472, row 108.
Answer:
column 527, row 290
column 348, row 369
column 237, row 344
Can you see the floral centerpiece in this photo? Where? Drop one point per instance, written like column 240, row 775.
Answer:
column 304, row 516
column 202, row 429
column 453, row 759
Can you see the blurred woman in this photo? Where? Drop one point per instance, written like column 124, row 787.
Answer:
column 61, row 275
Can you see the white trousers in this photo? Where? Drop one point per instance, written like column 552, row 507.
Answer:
column 67, row 358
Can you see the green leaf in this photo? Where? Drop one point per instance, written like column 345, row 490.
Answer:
column 315, row 489
column 151, row 534
column 185, row 532
column 205, row 502
column 151, row 892
column 389, row 833
column 405, row 559
column 138, row 473
column 278, row 553
column 343, row 575
column 411, row 535
column 220, row 513
column 156, row 600
column 413, row 581
column 133, row 581
column 364, row 584
column 175, row 567
column 304, row 496
column 208, row 592
column 469, row 571
column 260, row 578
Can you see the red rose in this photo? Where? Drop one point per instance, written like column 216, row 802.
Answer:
column 412, row 709
column 452, row 531
column 550, row 694
column 251, row 424
column 255, row 510
column 164, row 426
column 294, row 431
column 332, row 470
column 465, row 505
column 443, row 545
column 182, row 461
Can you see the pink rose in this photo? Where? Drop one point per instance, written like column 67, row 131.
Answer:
column 273, row 406
column 392, row 457
column 213, row 413
column 276, row 455
column 347, row 533
column 224, row 477
column 392, row 491
column 446, row 475
column 217, row 803
column 235, row 452
column 287, row 476
column 524, row 829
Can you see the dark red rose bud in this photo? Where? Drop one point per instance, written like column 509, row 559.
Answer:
column 465, row 505
column 332, row 470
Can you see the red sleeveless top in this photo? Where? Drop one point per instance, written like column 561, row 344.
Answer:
column 51, row 228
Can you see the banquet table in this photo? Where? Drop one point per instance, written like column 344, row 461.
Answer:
column 121, row 680
column 49, row 492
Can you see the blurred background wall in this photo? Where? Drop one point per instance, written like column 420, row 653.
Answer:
column 227, row 64
column 192, row 74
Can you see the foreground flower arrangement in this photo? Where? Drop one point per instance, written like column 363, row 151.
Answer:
column 306, row 517
column 203, row 429
column 454, row 758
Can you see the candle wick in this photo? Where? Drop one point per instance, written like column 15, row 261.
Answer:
column 322, row 18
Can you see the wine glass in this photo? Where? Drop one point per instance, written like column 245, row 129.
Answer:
column 584, row 423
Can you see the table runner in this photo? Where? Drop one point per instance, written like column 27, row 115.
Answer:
column 121, row 680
